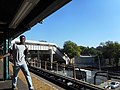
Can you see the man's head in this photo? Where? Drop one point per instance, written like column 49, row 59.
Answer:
column 22, row 39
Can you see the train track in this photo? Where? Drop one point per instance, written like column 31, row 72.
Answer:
column 67, row 83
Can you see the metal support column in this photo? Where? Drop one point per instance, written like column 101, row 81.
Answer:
column 38, row 57
column 6, row 60
column 51, row 59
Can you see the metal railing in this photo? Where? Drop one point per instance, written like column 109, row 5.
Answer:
column 62, row 80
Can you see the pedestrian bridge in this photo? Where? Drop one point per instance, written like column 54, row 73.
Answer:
column 41, row 47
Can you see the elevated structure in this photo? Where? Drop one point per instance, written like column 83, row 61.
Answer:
column 18, row 16
column 46, row 48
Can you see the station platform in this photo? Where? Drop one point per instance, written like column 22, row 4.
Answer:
column 38, row 82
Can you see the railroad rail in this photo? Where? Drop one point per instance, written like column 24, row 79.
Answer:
column 67, row 83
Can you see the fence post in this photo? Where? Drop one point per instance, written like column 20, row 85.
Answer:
column 63, row 68
column 40, row 63
column 74, row 72
column 33, row 62
column 57, row 67
column 45, row 65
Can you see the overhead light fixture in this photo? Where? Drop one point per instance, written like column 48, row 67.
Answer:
column 23, row 11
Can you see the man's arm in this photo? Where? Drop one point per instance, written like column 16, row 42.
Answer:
column 6, row 55
column 10, row 51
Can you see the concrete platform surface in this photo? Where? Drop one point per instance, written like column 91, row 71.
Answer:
column 38, row 82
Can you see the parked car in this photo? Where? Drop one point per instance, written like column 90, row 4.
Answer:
column 114, row 85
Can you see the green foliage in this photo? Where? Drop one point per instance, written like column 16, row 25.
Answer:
column 106, row 50
column 71, row 49
column 89, row 51
column 111, row 51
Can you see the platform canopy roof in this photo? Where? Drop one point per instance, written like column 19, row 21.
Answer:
column 18, row 16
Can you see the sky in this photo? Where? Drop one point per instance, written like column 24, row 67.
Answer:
column 84, row 22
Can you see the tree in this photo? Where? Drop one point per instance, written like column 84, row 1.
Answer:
column 116, row 53
column 111, row 51
column 71, row 49
column 88, row 51
column 84, row 50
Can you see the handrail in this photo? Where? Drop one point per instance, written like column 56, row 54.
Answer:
column 63, row 80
